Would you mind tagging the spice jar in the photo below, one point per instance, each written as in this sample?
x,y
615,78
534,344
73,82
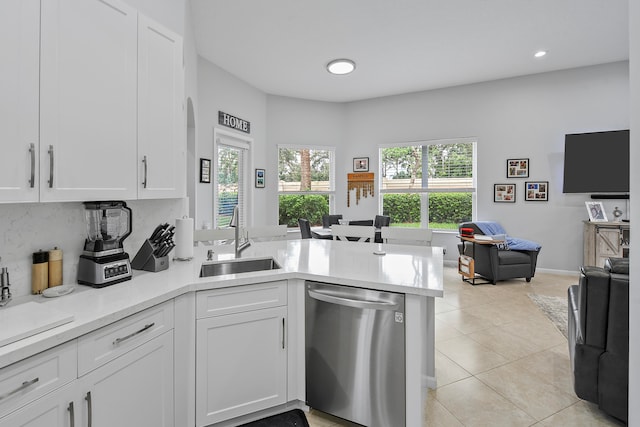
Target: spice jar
x,y
40,272
55,267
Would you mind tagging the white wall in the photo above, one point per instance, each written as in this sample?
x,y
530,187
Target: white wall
x,y
221,91
634,290
512,118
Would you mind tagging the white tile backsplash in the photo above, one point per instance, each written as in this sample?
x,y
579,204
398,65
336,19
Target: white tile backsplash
x,y
26,228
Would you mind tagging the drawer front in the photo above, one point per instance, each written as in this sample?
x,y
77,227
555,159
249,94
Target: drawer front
x,y
25,381
107,343
241,298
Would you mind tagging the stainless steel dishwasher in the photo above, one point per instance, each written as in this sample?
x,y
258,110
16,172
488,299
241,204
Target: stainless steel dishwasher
x,y
355,354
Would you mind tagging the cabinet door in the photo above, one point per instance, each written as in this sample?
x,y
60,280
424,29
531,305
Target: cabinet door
x,y
88,100
135,389
240,364
19,62
53,410
161,133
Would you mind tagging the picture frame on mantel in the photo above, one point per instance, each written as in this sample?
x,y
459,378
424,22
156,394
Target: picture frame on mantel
x,y
517,168
205,171
504,193
536,191
596,212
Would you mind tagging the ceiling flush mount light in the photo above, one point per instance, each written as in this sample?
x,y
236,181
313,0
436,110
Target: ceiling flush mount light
x,y
341,66
540,53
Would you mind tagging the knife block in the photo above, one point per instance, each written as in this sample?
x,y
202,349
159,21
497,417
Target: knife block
x,y
147,261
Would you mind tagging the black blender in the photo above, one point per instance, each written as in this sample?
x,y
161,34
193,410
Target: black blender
x,y
104,261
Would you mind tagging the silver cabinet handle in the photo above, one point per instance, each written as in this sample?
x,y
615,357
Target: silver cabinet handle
x,y
72,415
350,302
20,388
51,166
32,151
283,333
146,165
133,334
89,415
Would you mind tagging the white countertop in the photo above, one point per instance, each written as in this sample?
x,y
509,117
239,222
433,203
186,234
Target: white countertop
x,y
404,269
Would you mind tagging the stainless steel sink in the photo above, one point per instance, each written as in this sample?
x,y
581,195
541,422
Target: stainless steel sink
x,y
236,266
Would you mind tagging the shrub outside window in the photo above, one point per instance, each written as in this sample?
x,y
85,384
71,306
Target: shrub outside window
x,y
305,183
428,184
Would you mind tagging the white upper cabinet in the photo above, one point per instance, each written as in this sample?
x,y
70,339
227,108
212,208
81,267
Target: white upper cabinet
x,y
161,131
88,100
19,41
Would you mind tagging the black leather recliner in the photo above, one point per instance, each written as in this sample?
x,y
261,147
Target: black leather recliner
x,y
598,332
494,264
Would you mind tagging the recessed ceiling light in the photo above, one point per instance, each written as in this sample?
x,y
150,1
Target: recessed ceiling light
x,y
341,66
540,53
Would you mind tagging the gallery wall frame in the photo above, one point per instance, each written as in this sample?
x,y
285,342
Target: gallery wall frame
x,y
517,168
205,171
260,177
504,193
361,164
536,191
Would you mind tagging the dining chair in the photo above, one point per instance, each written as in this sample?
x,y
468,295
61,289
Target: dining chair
x,y
267,232
357,233
329,220
381,221
407,236
305,228
222,236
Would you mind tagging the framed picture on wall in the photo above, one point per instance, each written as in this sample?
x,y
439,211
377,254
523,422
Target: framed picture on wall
x,y
205,171
536,191
361,164
259,178
504,193
517,168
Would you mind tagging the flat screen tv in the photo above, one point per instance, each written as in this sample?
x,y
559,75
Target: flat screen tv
x,y
596,162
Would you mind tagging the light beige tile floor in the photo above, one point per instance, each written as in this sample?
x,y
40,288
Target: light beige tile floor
x,y
499,360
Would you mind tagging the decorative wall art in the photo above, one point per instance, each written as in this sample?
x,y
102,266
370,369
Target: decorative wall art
x,y
596,212
504,193
536,191
205,171
259,178
361,164
362,183
517,168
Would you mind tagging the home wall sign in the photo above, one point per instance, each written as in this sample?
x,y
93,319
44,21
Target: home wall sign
x,y
362,183
233,122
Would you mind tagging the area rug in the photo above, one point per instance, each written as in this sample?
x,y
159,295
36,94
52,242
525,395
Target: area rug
x,y
555,308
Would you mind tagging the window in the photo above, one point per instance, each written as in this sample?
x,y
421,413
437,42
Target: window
x,y
428,184
305,183
230,180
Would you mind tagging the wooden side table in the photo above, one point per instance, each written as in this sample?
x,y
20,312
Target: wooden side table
x,y
466,264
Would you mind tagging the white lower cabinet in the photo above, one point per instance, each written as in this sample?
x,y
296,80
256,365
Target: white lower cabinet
x,y
241,358
134,390
58,409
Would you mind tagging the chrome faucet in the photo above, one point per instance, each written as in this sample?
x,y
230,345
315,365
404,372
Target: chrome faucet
x,y
235,223
5,290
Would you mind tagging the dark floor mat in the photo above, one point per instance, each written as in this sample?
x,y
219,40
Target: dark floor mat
x,y
293,418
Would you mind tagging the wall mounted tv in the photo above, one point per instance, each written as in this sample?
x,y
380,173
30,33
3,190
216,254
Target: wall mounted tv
x,y
596,162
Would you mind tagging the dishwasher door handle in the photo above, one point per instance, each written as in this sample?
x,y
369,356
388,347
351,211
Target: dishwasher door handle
x,y
350,302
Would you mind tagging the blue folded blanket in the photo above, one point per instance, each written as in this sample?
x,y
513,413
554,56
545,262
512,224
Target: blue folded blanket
x,y
514,243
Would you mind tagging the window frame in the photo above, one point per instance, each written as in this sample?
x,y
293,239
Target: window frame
x,y
424,191
332,172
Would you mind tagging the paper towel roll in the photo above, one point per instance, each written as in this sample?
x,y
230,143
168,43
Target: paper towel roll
x,y
184,238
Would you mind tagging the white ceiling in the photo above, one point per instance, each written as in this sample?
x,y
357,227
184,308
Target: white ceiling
x,y
282,46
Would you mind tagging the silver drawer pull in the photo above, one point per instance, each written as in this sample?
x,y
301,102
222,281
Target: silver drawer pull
x,y
133,334
19,389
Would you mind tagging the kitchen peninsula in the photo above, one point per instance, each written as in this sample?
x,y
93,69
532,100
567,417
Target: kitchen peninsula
x,y
168,324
